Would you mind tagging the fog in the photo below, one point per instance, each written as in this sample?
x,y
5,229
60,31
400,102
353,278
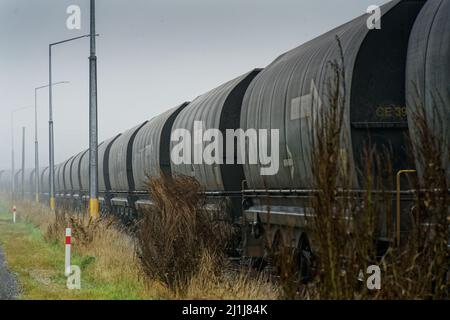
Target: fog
x,y
152,55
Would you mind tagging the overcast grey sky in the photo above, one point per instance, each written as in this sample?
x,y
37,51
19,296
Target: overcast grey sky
x,y
153,55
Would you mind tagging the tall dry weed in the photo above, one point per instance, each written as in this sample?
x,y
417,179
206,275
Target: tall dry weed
x,y
177,230
345,222
418,269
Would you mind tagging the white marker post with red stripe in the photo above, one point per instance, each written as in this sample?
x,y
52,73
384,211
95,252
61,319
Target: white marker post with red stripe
x,y
73,273
68,245
14,214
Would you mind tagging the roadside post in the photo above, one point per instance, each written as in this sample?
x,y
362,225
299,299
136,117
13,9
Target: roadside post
x,y
68,245
14,214
73,273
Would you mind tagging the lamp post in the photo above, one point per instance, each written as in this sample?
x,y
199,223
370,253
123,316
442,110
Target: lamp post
x,y
23,164
36,143
50,120
12,151
93,121
12,158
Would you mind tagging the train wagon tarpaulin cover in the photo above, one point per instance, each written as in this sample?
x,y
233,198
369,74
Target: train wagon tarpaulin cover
x,y
104,183
75,172
152,147
120,160
291,91
428,71
217,109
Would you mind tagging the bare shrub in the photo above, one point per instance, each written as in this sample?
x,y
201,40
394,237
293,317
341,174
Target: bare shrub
x,y
418,269
345,223
57,228
177,230
84,229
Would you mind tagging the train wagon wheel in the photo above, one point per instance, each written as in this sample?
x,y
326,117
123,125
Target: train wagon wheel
x,y
305,260
276,252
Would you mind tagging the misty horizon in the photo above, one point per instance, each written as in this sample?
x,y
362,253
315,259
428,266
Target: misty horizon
x,y
152,56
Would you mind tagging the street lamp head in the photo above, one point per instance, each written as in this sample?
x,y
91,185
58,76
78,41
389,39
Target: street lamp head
x,y
53,84
71,39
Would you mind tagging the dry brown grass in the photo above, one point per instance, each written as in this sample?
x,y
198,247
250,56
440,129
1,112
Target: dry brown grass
x,y
229,284
176,230
181,243
110,253
103,240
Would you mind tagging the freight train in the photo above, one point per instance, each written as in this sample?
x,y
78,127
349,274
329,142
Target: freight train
x,y
384,70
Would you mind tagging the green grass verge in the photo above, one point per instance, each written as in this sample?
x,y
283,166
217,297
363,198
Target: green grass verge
x,y
39,266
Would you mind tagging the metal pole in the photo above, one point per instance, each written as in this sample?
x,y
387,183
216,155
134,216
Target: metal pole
x,y
50,121
51,138
93,133
36,172
36,148
12,159
13,180
23,163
